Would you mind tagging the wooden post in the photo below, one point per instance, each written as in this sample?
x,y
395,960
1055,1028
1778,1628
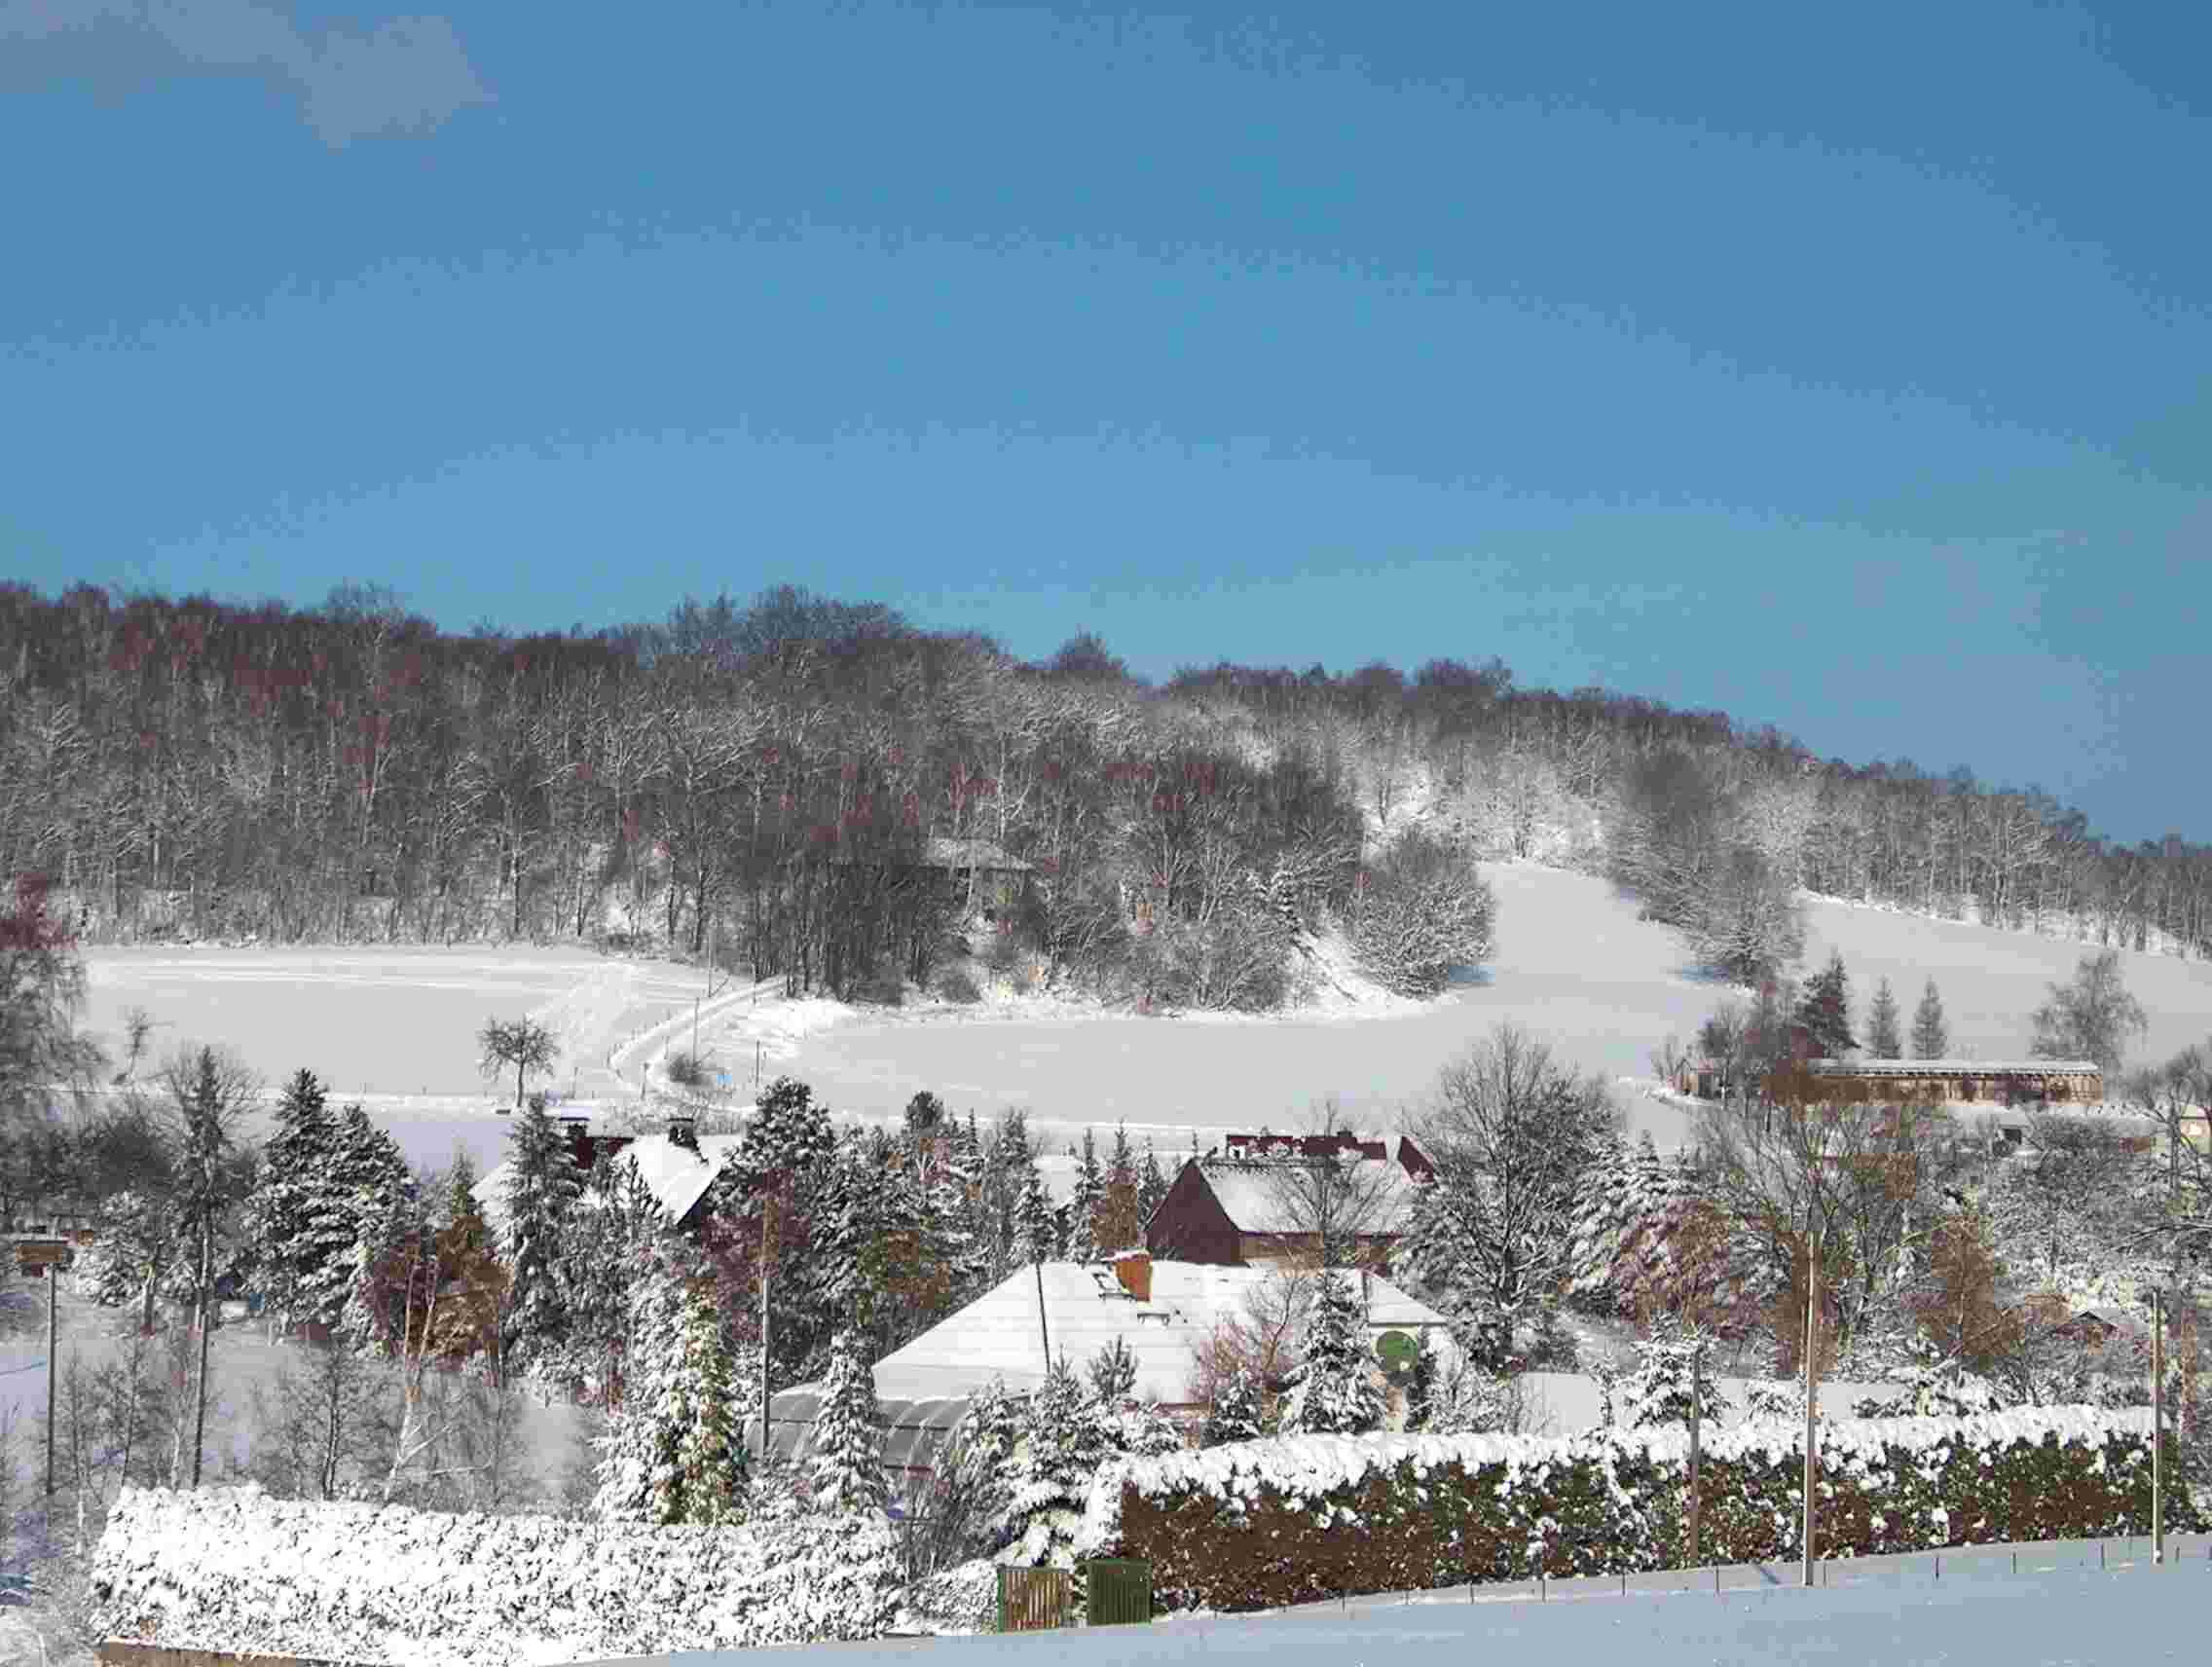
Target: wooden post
x,y
767,1212
1697,1396
2157,1429
53,1329
1812,1389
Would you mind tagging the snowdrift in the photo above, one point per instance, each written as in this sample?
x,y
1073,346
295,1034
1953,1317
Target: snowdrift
x,y
233,1568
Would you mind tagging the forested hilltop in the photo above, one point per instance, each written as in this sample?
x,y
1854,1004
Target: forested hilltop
x,y
768,781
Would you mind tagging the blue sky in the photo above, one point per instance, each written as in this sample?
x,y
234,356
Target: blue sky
x,y
1847,369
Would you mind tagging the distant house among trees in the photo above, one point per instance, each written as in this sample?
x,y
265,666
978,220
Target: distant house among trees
x,y
1290,1198
1926,1082
972,869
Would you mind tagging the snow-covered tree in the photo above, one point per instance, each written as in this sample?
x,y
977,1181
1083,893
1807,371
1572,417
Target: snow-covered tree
x,y
1063,1443
1035,1236
1658,1389
1824,1009
1086,1202
1468,1399
351,1215
541,1189
845,1465
1932,1386
1332,1388
601,1245
1233,1413
1152,1186
282,1216
1930,1035
671,1450
2090,1018
1885,1026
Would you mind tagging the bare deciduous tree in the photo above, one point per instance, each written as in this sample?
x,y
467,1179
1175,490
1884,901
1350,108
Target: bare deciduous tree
x,y
522,1046
1513,1135
2090,1018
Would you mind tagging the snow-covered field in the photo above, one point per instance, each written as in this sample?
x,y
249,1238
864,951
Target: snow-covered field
x,y
2075,1618
1576,966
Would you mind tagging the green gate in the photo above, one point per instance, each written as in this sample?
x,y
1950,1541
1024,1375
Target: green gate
x,y
1034,1600
1117,1590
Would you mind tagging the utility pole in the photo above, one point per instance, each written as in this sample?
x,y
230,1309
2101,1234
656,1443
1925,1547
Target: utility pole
x,y
1811,1388
1042,1331
2157,1429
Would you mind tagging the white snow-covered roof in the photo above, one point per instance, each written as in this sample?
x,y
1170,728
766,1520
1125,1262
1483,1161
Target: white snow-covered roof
x,y
998,1335
1255,1197
676,1176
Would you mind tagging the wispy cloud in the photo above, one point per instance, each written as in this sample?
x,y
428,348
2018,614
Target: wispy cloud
x,y
404,74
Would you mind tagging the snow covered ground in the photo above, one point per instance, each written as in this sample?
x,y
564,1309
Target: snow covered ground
x,y
397,1027
241,1357
2075,1616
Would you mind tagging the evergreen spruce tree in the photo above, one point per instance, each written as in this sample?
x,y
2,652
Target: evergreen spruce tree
x,y
542,1190
462,1208
1930,1036
706,1413
1658,1390
282,1212
1233,1413
637,1471
352,1219
1113,1372
1121,1221
1824,1009
788,1134
1064,1446
845,1465
1034,1229
602,1247
975,1482
1885,1035
1087,1202
1152,1187
1333,1389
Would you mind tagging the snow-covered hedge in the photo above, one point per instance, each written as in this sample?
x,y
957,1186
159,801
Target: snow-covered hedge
x,y
234,1569
1256,1524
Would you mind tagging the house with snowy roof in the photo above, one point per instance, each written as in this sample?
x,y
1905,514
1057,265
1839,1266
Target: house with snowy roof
x,y
1261,1203
1164,1313
677,1165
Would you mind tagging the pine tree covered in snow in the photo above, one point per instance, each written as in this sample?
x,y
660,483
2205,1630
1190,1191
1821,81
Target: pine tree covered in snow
x,y
1233,1413
1332,1388
282,1215
603,1243
1035,1232
542,1190
788,1134
673,1451
1152,1186
362,1209
1824,1009
1064,1444
1931,1035
707,1410
1658,1390
1120,1225
1885,1025
974,1479
1468,1399
1086,1202
845,1463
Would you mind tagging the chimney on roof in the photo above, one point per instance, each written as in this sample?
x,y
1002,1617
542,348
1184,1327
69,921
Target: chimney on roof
x,y
1133,1268
684,1132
